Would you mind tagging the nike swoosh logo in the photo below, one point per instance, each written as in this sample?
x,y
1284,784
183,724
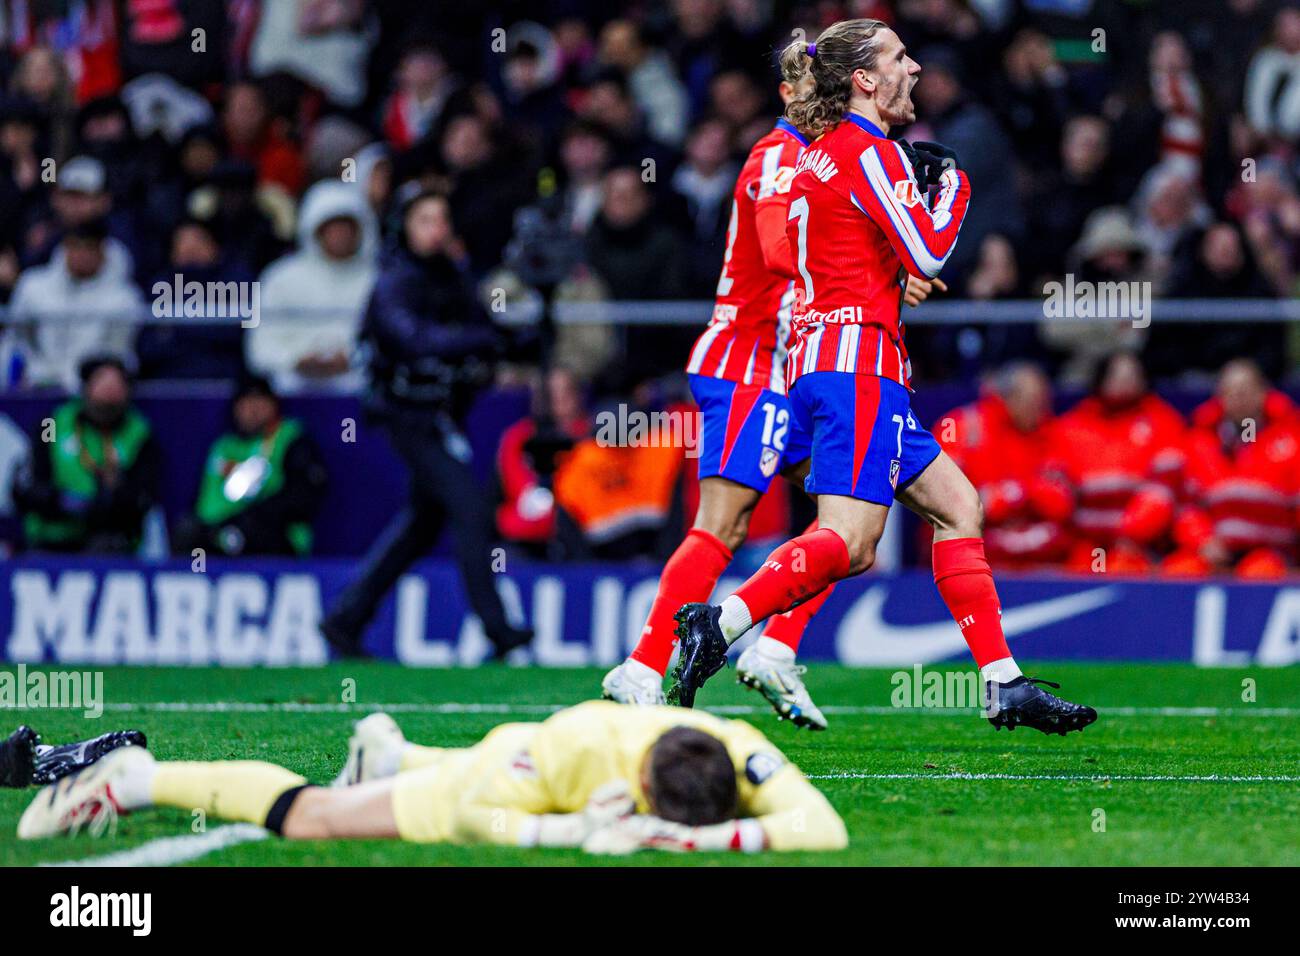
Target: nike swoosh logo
x,y
866,639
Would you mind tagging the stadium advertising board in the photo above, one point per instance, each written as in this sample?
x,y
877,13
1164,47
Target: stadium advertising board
x,y
265,614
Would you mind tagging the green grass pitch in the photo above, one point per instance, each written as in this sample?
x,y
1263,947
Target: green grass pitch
x,y
915,787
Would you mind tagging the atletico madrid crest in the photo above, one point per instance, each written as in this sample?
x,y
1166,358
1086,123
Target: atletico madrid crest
x,y
768,462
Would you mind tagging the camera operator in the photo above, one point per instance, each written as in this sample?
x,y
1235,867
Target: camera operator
x,y
432,347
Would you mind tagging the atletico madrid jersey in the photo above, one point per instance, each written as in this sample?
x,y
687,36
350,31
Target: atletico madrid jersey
x,y
747,339
859,224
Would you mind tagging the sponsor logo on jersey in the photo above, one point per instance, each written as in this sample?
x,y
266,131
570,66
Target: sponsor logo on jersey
x,y
907,193
768,462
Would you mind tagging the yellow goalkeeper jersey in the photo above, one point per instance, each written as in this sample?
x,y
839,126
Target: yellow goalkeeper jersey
x,y
489,792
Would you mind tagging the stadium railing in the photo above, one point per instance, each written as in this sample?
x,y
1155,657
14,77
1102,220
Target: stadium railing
x,y
698,311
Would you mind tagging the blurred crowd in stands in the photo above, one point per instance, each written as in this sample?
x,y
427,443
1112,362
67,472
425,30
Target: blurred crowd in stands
x,y
228,141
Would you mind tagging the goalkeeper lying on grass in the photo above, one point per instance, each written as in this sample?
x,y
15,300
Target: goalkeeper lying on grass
x,y
605,777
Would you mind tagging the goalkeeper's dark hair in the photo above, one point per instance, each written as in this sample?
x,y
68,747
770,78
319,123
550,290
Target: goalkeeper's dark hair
x,y
840,49
691,778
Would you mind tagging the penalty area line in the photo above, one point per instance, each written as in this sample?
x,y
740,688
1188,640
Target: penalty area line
x,y
1080,777
169,851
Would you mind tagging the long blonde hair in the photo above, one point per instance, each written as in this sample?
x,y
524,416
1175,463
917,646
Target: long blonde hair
x,y
832,59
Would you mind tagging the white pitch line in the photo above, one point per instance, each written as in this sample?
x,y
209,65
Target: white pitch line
x,y
169,851
1091,778
290,707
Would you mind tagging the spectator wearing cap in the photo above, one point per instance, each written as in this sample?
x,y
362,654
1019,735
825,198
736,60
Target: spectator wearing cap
x,y
262,485
187,350
312,299
81,303
95,469
1110,250
81,195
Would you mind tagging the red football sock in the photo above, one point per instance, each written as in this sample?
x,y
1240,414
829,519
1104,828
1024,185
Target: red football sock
x,y
788,628
961,572
689,575
795,572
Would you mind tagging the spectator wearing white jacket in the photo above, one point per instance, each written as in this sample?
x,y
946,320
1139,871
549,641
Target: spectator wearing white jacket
x,y
81,303
312,299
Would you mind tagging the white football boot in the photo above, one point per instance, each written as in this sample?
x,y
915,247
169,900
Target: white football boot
x,y
634,683
87,799
374,751
781,682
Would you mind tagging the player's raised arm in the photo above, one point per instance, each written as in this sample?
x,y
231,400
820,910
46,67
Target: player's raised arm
x,y
922,234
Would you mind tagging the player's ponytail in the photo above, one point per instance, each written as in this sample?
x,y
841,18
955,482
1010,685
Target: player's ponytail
x,y
841,49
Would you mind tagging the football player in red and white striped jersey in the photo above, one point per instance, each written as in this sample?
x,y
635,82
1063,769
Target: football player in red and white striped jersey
x,y
859,223
737,371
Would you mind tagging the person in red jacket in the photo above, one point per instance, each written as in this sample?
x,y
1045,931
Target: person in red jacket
x,y
1242,480
1005,443
1122,449
526,514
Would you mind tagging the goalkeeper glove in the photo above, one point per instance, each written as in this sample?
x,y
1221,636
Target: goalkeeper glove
x,y
643,832
607,804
